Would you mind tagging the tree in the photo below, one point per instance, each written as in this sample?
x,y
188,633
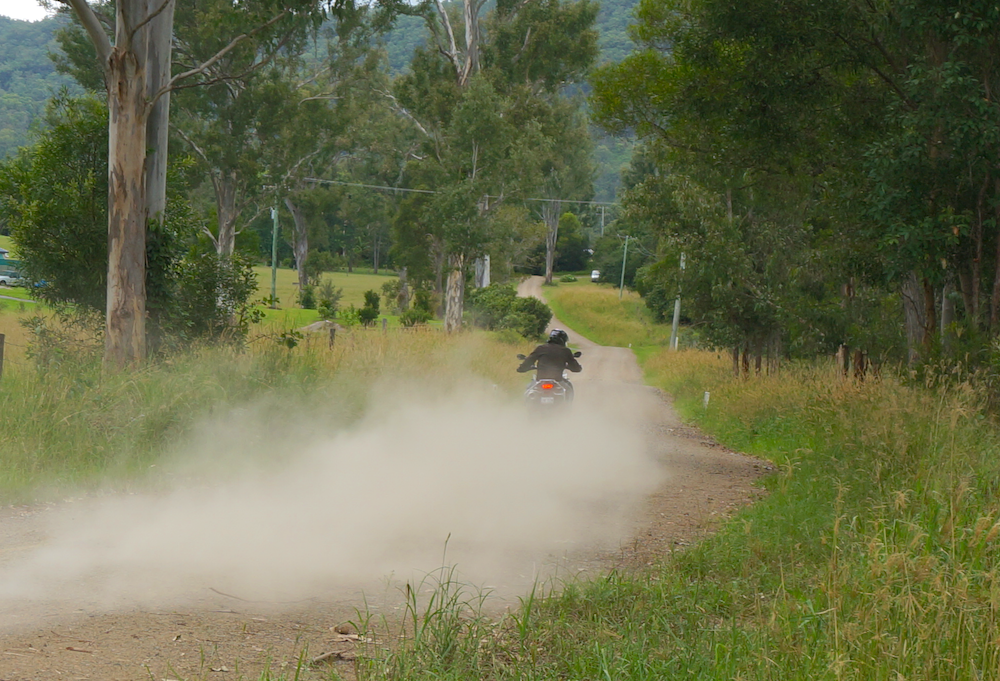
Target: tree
x,y
486,103
137,74
877,118
54,196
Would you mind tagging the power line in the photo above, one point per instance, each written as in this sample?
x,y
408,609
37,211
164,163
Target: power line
x,y
431,191
370,186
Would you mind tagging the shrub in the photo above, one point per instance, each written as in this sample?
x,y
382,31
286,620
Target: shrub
x,y
567,278
498,307
329,299
307,297
392,292
414,316
372,300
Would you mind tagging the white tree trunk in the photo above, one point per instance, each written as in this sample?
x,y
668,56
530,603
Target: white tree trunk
x,y
454,294
125,321
300,242
483,271
550,214
158,52
225,205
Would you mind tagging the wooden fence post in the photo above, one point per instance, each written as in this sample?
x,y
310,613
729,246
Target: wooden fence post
x,y
333,335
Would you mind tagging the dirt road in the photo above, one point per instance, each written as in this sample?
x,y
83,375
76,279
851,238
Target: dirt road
x,y
206,630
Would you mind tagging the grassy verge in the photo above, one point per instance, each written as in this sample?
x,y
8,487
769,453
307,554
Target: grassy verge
x,y
875,555
70,425
596,311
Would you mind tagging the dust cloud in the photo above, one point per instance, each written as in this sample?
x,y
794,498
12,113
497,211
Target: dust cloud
x,y
299,509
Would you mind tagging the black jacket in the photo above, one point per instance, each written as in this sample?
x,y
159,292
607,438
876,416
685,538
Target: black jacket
x,y
550,359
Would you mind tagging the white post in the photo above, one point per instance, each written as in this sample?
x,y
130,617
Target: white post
x,y
677,313
621,287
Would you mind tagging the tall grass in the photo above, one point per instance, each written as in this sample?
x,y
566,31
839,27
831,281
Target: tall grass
x,y
72,424
597,313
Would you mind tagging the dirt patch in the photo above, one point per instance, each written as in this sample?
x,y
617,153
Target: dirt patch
x,y
212,632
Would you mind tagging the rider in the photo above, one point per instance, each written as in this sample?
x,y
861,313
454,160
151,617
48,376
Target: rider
x,y
551,358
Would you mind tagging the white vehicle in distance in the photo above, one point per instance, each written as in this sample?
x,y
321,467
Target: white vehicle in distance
x,y
595,275
10,279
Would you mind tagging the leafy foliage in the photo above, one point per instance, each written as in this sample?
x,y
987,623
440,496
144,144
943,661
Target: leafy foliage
x,y
497,307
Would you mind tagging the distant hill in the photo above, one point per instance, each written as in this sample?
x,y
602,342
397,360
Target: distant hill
x,y
27,76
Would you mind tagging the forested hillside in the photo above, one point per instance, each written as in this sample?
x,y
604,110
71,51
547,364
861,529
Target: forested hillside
x,y
27,77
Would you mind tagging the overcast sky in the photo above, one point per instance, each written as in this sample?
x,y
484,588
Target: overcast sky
x,y
29,10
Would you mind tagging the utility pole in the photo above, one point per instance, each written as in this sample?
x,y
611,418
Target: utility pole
x,y
274,259
621,287
602,220
677,313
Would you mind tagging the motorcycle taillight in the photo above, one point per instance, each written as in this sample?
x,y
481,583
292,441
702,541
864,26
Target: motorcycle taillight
x,y
548,386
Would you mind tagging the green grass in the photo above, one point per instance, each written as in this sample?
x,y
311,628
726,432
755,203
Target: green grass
x,y
354,285
596,311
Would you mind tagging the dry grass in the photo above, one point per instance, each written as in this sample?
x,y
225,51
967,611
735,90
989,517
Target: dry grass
x,y
72,424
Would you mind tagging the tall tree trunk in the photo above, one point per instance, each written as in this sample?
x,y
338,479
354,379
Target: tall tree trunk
x,y
550,214
225,203
376,246
914,315
404,290
125,330
158,53
995,298
930,315
437,256
300,242
947,314
455,294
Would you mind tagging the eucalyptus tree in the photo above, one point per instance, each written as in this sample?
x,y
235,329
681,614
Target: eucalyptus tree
x,y
136,68
485,96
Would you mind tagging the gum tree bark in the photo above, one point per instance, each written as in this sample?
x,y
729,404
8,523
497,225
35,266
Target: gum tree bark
x,y
136,72
454,294
300,242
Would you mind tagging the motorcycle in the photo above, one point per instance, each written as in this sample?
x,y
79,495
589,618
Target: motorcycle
x,y
547,393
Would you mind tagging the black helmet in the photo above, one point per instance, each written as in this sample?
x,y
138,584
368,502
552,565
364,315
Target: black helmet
x,y
558,336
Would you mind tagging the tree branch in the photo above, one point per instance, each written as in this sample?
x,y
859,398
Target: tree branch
x,y
218,55
403,111
92,25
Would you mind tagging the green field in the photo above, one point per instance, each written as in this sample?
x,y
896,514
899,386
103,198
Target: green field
x,y
596,311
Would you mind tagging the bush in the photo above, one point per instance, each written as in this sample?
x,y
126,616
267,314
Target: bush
x,y
318,262
369,313
567,278
372,300
424,300
497,307
307,297
392,292
415,316
329,299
